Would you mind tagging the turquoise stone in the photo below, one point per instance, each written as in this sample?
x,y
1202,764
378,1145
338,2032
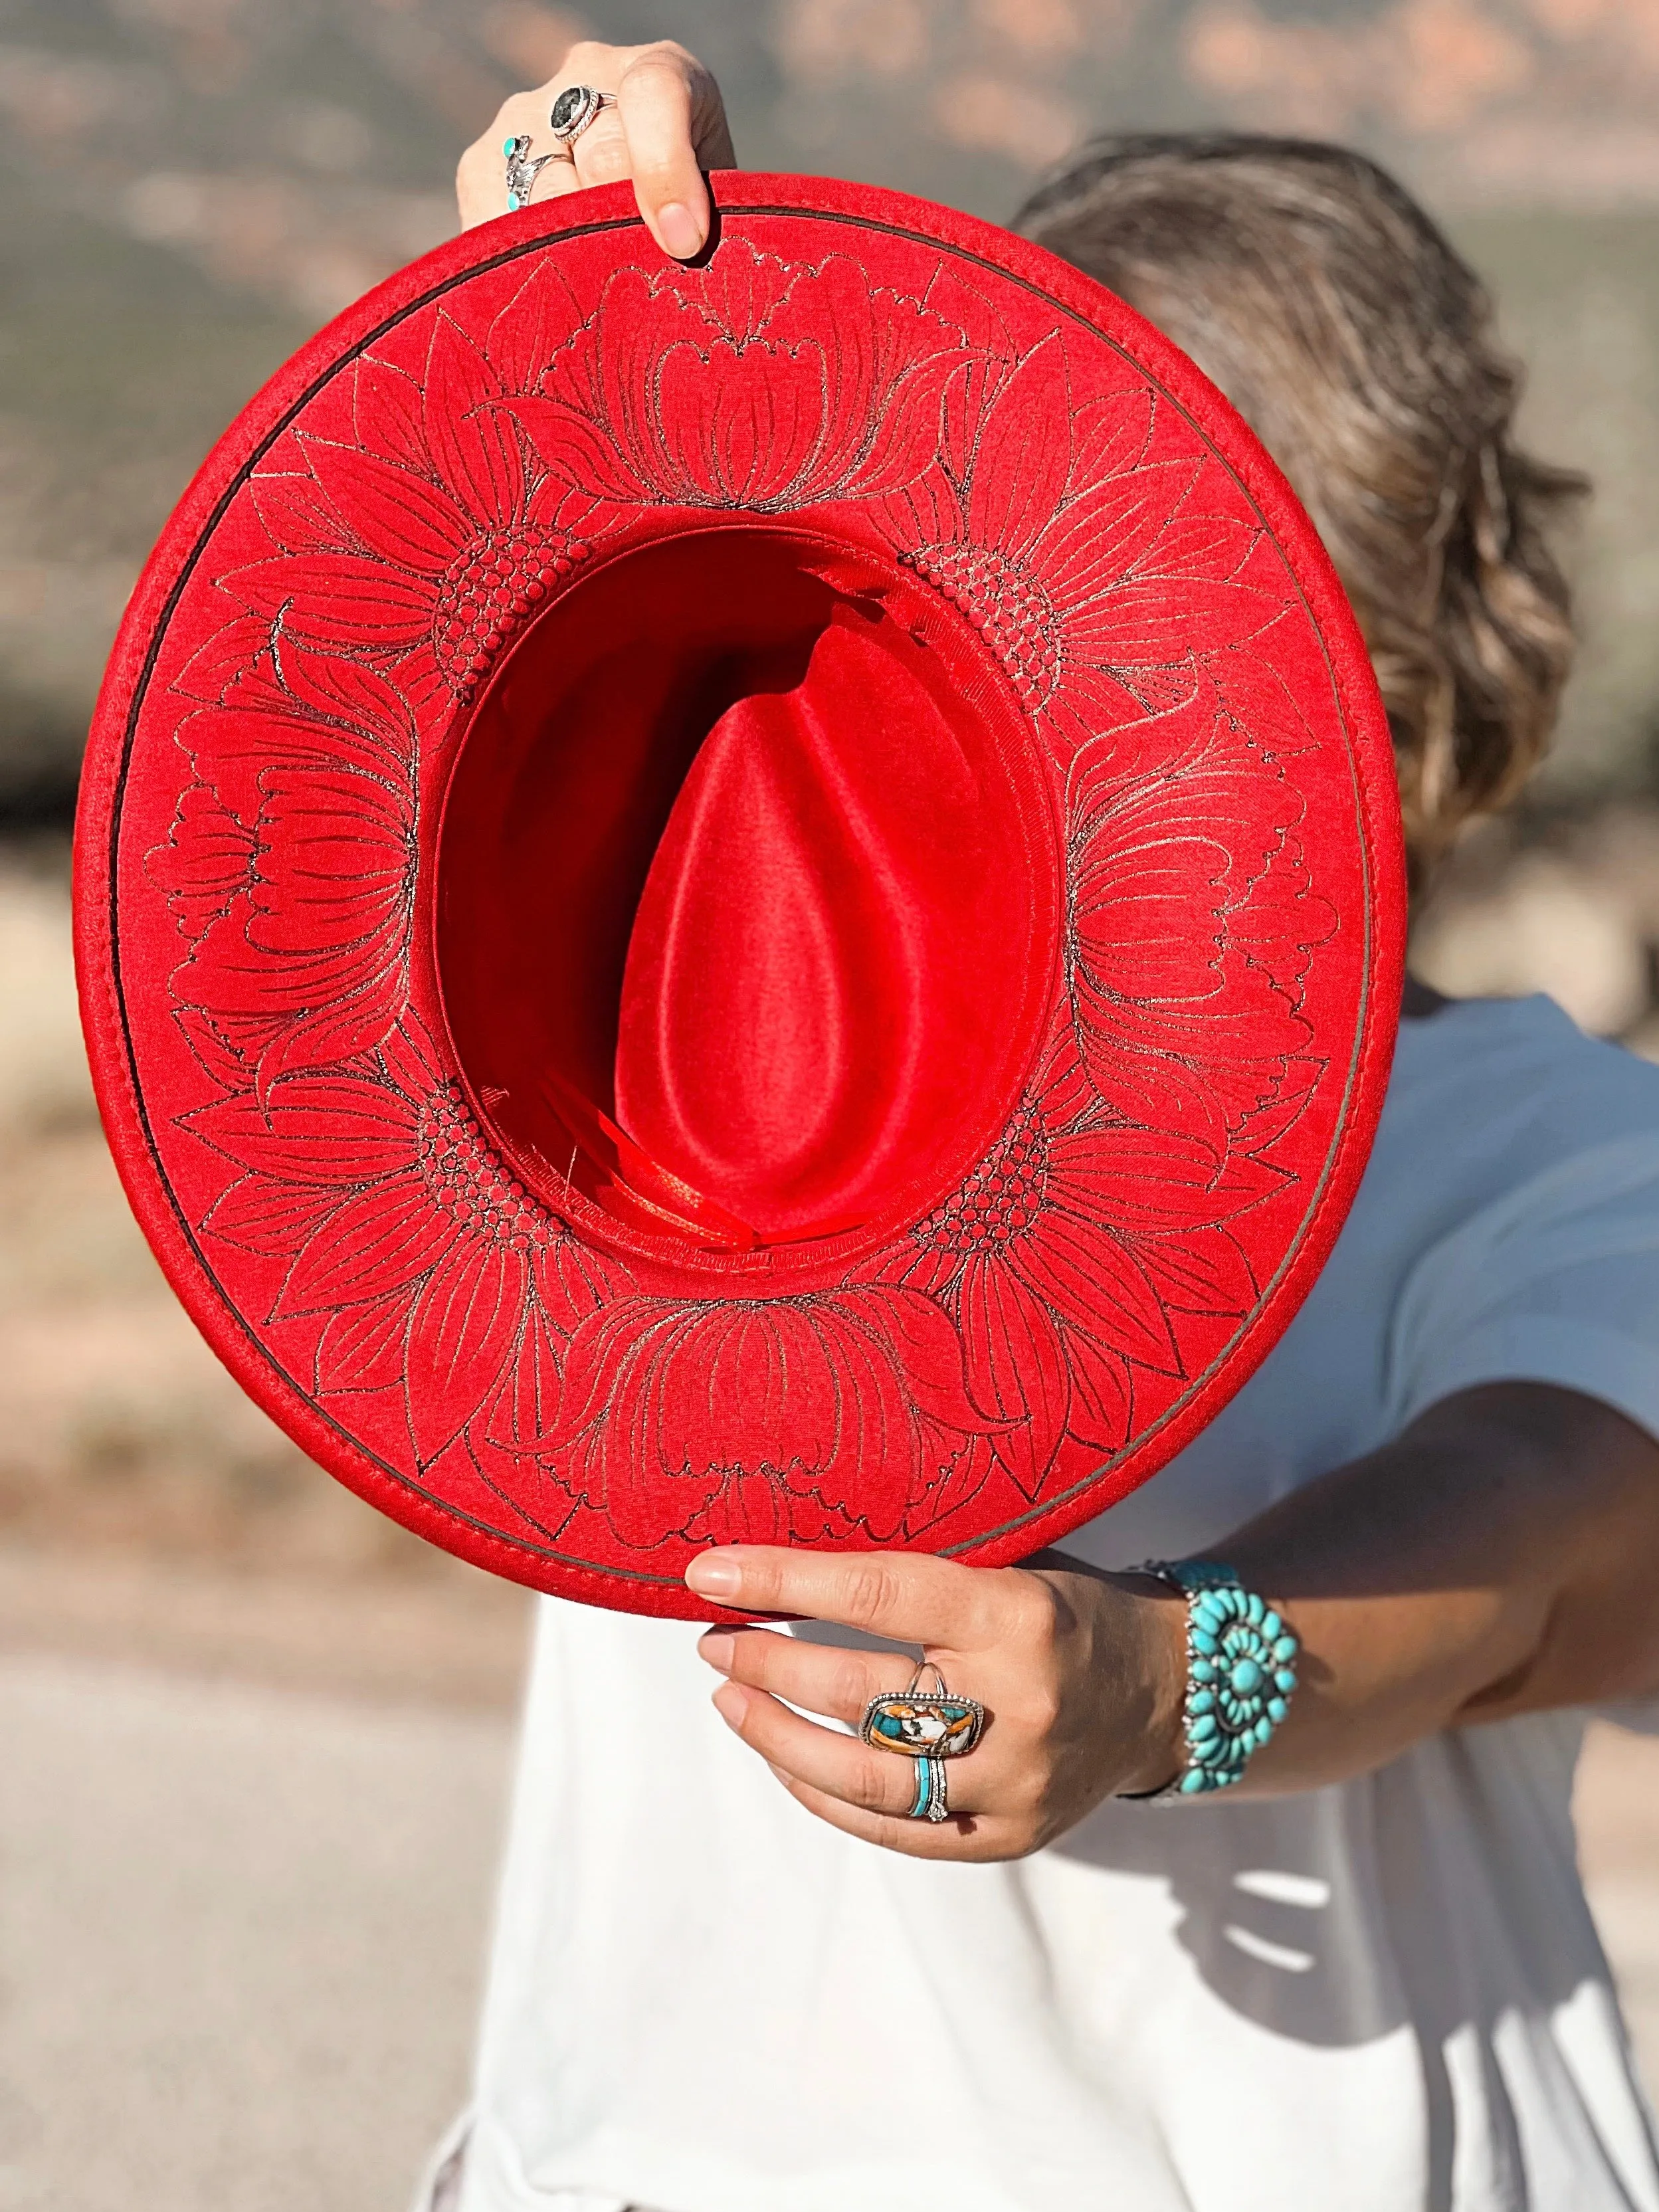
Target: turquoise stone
x,y
922,1723
1239,1674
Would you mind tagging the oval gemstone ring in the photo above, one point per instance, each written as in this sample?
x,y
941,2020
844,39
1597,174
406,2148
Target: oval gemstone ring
x,y
923,1723
576,108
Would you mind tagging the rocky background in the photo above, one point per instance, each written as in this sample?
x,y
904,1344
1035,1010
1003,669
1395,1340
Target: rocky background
x,y
239,1937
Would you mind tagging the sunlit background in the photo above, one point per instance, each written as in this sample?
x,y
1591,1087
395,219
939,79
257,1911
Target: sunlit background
x,y
188,188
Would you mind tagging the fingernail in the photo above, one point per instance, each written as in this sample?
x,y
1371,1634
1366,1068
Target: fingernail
x,y
719,1649
679,230
731,1703
713,1574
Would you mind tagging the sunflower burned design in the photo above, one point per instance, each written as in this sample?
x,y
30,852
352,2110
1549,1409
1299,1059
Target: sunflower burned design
x,y
1067,1260
1087,536
832,1415
290,863
1192,920
420,545
434,1271
754,383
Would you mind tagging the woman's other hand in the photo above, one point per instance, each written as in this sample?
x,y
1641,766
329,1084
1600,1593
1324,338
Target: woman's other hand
x,y
1081,1675
1498,1558
667,127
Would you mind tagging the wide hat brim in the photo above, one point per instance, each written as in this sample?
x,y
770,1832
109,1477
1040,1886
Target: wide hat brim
x,y
1145,1057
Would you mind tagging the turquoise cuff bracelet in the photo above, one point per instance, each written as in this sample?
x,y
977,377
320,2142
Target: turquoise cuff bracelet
x,y
1241,1673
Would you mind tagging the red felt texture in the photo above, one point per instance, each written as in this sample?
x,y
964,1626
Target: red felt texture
x,y
806,995
759,901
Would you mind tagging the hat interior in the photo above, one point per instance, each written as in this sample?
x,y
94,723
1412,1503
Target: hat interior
x,y
745,892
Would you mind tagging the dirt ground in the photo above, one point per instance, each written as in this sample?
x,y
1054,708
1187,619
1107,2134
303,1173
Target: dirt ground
x,y
255,1740
242,1927
248,1834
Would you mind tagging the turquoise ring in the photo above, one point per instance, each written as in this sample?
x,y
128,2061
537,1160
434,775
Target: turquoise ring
x,y
522,172
932,1801
924,1724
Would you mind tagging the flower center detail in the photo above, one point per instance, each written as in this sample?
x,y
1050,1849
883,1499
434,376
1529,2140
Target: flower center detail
x,y
1003,1196
467,1180
486,590
1005,604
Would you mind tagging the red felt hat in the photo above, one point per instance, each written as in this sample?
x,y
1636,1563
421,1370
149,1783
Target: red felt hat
x,y
759,901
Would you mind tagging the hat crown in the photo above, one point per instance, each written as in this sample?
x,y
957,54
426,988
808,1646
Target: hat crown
x,y
728,855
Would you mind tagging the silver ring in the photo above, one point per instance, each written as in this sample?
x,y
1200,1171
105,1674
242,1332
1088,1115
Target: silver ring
x,y
932,1800
522,172
929,1725
576,108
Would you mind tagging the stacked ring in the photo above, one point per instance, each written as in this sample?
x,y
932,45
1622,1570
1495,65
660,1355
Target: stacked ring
x,y
929,1726
576,108
932,1803
522,172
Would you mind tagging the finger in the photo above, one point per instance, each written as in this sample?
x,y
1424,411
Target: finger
x,y
840,1765
964,1835
480,187
600,154
558,177
655,102
905,1596
820,1676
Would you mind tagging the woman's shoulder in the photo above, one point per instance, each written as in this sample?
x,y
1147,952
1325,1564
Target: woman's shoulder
x,y
1521,1065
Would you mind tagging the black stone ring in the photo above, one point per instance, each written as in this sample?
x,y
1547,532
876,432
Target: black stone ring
x,y
577,107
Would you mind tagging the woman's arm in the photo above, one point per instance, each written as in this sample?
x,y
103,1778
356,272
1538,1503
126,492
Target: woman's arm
x,y
1501,1557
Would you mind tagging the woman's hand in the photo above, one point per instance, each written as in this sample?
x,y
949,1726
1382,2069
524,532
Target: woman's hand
x,y
667,127
1498,1558
1081,1675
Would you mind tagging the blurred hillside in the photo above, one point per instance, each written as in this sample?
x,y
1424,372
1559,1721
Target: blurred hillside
x,y
187,187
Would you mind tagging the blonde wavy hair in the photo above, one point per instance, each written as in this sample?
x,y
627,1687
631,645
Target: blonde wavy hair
x,y
1358,345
